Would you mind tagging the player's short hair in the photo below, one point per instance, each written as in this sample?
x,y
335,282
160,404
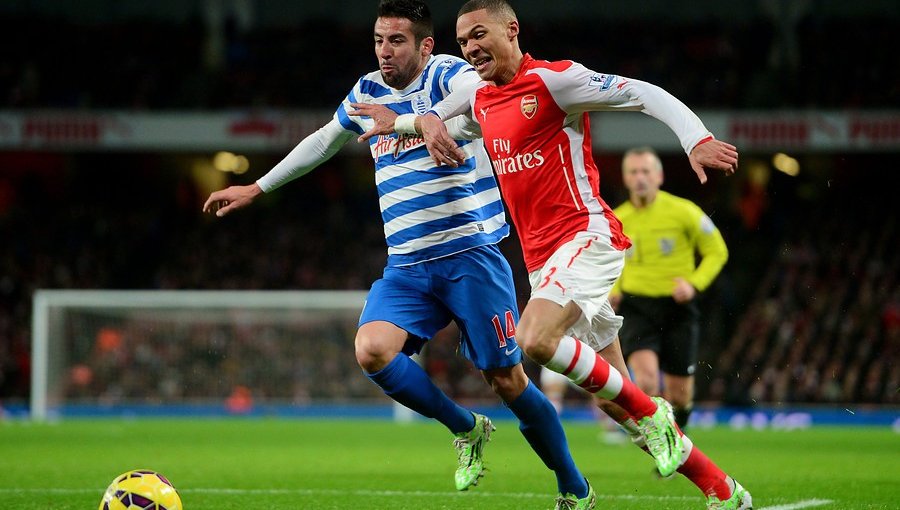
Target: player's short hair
x,y
497,8
639,151
416,11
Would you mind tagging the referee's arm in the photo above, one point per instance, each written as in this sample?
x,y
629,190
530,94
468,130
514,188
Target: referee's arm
x,y
713,253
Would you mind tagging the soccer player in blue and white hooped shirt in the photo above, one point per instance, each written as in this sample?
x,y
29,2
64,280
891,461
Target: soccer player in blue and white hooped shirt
x,y
442,226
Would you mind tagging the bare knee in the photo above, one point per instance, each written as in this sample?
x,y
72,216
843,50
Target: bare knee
x,y
538,338
537,343
376,347
542,325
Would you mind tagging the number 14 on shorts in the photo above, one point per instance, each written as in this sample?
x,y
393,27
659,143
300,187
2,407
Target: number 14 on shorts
x,y
510,327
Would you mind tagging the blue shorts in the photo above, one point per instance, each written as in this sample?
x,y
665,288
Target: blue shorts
x,y
474,288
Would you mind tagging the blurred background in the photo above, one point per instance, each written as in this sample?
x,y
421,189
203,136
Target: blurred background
x,y
118,118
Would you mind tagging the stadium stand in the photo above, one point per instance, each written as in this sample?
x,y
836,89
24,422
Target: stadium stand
x,y
807,311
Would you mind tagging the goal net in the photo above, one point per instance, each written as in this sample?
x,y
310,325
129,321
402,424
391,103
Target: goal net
x,y
230,350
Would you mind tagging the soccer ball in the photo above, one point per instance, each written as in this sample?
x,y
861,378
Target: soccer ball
x,y
140,489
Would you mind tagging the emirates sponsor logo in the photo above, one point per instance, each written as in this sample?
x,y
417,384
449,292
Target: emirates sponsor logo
x,y
513,162
518,163
529,106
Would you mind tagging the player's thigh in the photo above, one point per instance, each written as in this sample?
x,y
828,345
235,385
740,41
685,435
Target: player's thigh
x,y
581,272
476,287
678,350
403,298
544,320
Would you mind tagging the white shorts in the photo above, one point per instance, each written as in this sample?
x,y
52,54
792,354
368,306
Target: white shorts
x,y
583,271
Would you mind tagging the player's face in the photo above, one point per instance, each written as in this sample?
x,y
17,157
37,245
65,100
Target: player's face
x,y
642,175
399,58
487,43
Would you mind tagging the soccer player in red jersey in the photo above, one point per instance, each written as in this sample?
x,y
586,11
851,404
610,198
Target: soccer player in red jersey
x,y
534,120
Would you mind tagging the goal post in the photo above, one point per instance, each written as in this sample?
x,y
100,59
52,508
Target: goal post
x,y
171,346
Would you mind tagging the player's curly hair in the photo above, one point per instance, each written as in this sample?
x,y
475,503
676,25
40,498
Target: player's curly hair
x,y
415,11
498,8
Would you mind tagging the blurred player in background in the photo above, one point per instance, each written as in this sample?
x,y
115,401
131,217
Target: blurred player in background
x,y
441,225
657,291
534,119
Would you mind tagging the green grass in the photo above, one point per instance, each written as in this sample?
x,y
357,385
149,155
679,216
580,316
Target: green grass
x,y
313,464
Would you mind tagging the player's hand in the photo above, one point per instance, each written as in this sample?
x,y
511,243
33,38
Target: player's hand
x,y
383,116
714,154
440,145
224,201
684,292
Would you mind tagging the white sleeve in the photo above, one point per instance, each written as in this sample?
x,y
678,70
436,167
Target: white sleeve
x,y
308,154
461,97
577,89
463,127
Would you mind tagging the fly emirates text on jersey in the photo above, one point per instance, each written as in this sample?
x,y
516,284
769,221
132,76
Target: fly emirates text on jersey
x,y
505,163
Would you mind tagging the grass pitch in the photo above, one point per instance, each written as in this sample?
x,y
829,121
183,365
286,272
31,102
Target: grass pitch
x,y
368,464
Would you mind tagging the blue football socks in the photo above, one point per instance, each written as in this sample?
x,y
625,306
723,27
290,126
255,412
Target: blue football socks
x,y
406,382
540,425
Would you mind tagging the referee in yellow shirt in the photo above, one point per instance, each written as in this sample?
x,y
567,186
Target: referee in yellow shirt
x,y
661,279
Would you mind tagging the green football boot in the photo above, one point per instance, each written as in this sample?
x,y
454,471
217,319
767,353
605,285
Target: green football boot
x,y
572,502
740,500
469,448
663,440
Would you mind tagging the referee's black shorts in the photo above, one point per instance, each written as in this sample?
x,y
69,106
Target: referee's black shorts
x,y
661,325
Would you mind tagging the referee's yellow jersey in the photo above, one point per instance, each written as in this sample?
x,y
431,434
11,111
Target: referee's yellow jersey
x,y
665,237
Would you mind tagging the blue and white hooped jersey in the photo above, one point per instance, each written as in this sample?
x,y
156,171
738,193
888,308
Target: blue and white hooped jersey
x,y
429,212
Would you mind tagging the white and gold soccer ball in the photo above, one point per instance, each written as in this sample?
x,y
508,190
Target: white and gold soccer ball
x,y
141,489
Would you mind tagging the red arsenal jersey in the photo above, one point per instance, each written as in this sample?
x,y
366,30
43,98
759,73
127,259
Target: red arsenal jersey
x,y
537,132
542,157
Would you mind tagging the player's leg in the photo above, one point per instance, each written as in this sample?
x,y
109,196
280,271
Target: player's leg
x,y
383,348
641,339
678,358
554,386
539,424
644,365
569,293
612,353
715,484
694,464
680,392
478,290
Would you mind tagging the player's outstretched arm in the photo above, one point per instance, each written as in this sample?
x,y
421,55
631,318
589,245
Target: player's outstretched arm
x,y
713,154
224,201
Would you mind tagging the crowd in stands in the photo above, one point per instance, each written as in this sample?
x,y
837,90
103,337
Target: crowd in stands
x,y
807,310
799,315
824,323
51,62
